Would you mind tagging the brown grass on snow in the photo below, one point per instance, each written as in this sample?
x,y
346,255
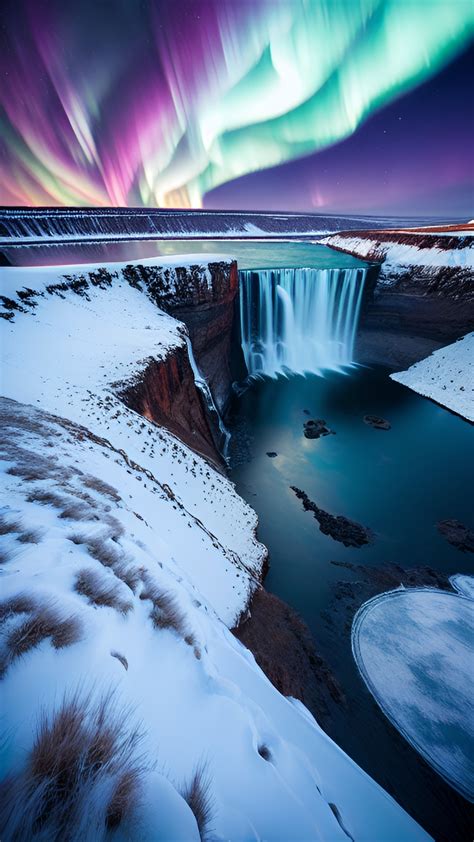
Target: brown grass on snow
x,y
196,792
101,592
43,621
165,613
82,776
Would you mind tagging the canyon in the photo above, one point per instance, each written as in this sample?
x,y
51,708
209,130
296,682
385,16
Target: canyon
x,y
122,392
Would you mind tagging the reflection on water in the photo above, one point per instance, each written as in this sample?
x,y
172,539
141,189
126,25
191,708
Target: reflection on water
x,y
398,482
249,254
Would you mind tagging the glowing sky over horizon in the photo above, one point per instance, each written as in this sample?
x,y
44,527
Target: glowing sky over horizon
x,y
161,103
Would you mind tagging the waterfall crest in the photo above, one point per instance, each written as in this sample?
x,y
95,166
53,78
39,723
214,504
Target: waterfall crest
x,y
299,320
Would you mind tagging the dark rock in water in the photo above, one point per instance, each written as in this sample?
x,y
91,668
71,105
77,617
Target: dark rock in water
x,y
306,412
377,422
271,454
316,428
457,534
338,527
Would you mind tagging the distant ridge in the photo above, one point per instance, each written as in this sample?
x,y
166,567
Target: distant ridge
x,y
35,226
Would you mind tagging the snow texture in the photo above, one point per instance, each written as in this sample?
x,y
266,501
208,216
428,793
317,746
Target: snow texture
x,y
414,650
446,376
464,584
398,258
92,486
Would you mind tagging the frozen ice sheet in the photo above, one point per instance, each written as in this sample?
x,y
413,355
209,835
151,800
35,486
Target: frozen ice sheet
x,y
414,649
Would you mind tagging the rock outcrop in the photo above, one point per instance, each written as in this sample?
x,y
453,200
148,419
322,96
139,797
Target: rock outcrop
x,y
338,527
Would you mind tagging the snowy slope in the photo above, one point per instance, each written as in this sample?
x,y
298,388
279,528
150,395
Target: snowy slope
x,y
446,376
133,557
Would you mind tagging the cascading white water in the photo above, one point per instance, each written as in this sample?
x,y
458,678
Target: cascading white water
x,y
203,387
299,320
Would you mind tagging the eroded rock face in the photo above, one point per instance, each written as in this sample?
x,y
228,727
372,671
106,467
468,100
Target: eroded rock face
x,y
338,527
166,393
209,317
284,649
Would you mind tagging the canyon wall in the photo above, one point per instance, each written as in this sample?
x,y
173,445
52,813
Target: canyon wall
x,y
165,392
202,295
419,294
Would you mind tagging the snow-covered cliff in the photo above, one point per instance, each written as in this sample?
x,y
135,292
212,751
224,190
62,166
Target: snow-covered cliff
x,y
440,256
128,705
446,376
422,296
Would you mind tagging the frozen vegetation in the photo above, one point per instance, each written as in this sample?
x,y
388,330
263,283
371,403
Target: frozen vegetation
x,y
128,705
446,376
414,651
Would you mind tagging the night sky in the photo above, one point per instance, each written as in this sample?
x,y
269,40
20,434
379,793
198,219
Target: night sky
x,y
353,106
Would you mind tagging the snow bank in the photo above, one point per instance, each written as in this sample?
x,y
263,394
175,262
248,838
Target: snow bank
x,y
91,486
463,584
401,256
414,651
446,376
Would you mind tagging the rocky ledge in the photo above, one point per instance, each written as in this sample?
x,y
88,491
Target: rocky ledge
x,y
422,294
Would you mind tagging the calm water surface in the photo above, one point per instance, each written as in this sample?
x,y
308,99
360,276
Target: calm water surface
x,y
249,254
399,483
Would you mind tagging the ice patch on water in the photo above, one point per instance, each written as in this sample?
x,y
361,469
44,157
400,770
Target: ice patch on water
x,y
414,651
463,584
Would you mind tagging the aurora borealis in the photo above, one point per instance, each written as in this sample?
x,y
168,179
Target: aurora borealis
x,y
159,103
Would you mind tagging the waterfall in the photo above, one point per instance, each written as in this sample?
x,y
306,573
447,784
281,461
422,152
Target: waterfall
x,y
299,320
202,385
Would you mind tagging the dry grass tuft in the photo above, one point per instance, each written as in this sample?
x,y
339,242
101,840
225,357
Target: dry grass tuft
x,y
102,488
30,536
18,604
8,526
43,621
120,658
100,592
109,553
129,574
71,509
104,551
31,466
47,498
75,510
81,779
165,613
197,795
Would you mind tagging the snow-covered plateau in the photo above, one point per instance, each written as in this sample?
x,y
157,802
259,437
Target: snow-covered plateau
x,y
446,376
129,707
